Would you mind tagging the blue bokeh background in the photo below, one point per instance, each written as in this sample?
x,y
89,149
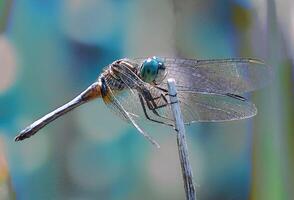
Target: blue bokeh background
x,y
50,51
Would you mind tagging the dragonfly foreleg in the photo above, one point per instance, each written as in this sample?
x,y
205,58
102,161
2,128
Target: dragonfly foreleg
x,y
155,103
161,96
147,116
152,105
165,94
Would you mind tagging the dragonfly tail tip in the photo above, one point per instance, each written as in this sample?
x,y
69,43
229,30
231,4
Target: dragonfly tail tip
x,y
23,135
156,144
17,138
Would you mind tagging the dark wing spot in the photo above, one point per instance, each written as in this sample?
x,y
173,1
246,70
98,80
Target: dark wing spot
x,y
235,96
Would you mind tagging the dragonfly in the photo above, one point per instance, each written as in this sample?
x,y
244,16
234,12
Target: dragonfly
x,y
137,90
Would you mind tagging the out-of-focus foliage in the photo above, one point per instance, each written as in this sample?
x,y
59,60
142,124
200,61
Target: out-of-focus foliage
x,y
52,50
5,184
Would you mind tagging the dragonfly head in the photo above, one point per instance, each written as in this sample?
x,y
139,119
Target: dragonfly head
x,y
153,70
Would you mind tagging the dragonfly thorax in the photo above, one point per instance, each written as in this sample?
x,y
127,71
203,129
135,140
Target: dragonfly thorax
x,y
118,66
114,76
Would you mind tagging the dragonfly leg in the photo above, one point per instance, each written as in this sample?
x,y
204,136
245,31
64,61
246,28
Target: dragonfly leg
x,y
162,89
163,96
152,105
145,112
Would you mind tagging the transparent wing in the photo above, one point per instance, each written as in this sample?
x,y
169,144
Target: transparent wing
x,y
133,98
222,76
116,101
201,107
195,106
207,107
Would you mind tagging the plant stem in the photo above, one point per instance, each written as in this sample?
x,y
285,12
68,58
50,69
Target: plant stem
x,y
181,141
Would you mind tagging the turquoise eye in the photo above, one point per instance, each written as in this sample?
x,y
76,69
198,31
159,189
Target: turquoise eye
x,y
149,69
153,70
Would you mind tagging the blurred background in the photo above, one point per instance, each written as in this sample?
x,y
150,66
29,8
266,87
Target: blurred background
x,y
52,50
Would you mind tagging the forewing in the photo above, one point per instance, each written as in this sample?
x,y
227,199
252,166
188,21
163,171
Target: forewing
x,y
196,106
222,76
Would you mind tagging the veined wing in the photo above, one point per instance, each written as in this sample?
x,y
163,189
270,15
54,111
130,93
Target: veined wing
x,y
115,100
221,76
207,107
195,106
139,97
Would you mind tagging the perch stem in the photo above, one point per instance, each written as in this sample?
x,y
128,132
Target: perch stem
x,y
181,141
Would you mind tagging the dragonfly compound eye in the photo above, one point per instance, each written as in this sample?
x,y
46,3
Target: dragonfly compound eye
x,y
151,69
